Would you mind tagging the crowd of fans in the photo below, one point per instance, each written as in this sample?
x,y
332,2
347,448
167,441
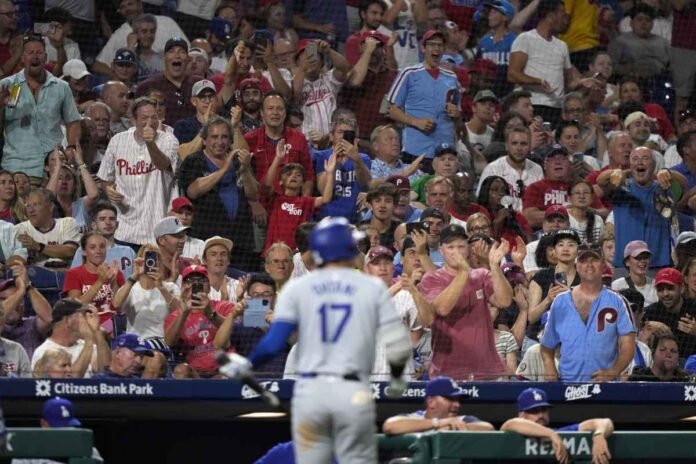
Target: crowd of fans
x,y
523,175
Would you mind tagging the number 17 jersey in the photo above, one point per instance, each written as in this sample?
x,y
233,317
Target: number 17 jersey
x,y
338,312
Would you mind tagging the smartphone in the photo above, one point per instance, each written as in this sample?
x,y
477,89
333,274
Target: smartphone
x,y
546,126
197,287
561,278
255,312
42,28
312,51
262,37
411,226
150,261
349,136
451,96
578,157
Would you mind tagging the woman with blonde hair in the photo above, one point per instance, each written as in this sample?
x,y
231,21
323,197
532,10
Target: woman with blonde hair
x,y
12,207
54,364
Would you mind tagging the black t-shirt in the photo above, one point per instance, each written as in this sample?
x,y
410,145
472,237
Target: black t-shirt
x,y
387,238
545,279
644,374
657,312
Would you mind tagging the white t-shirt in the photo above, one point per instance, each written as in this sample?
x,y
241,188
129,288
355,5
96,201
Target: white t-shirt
x,y
546,60
480,141
319,103
72,50
531,173
166,29
581,228
406,308
300,268
147,190
146,309
530,264
406,47
648,290
672,157
74,352
81,9
204,9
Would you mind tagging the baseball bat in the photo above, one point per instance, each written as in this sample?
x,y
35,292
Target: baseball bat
x,y
249,380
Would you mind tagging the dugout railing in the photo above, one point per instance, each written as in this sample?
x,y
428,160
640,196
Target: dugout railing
x,y
70,445
460,447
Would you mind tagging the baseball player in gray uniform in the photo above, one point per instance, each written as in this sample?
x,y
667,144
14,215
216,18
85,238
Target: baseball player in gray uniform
x,y
338,314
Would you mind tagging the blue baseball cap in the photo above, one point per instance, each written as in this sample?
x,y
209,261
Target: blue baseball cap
x,y
221,28
133,343
125,55
58,412
444,386
502,6
532,398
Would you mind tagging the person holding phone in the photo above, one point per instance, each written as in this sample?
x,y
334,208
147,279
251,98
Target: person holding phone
x,y
194,325
146,298
550,282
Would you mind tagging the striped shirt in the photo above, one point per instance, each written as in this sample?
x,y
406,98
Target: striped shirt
x,y
147,190
319,102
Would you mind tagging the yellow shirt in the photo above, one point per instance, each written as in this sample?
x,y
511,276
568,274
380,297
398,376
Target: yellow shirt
x,y
583,32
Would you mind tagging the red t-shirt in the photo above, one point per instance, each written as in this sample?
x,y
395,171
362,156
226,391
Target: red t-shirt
x,y
352,51
263,149
545,192
79,278
287,213
472,209
592,179
198,334
463,342
664,126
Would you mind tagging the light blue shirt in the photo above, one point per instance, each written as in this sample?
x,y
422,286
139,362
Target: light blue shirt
x,y
587,346
379,170
9,243
33,129
124,256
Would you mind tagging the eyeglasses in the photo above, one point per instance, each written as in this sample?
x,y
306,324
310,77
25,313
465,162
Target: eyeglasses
x,y
179,97
263,295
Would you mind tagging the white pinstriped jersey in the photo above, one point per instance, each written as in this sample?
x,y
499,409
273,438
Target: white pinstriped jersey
x,y
319,102
338,313
64,230
147,190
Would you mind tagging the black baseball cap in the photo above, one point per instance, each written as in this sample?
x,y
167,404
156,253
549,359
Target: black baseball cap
x,y
433,212
452,232
445,148
125,55
66,307
565,233
175,42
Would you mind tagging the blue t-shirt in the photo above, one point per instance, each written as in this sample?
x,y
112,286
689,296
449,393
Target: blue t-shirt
x,y
421,95
346,186
187,129
587,346
683,170
636,218
499,53
124,256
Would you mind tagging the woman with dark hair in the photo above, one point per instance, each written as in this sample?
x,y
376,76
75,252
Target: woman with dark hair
x,y
569,135
583,219
544,254
494,195
12,207
665,365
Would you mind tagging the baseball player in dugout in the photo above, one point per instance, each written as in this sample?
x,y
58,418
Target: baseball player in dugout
x,y
338,314
442,403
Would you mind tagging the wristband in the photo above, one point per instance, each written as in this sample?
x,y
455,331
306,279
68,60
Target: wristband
x,y
41,247
132,280
436,423
597,433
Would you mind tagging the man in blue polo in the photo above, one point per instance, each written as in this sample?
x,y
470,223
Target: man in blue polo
x,y
442,402
425,98
533,420
593,326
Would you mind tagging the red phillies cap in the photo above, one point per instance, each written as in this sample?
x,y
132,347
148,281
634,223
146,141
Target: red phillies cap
x,y
430,34
556,210
181,202
302,45
669,276
401,182
378,252
194,269
383,39
249,83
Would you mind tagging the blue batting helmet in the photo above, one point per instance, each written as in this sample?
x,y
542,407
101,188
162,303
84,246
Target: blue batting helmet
x,y
333,240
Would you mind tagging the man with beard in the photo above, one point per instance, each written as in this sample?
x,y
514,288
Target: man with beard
x,y
442,403
370,12
540,62
403,211
636,216
251,95
188,131
639,127
352,171
674,310
32,120
533,419
115,95
175,85
98,120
